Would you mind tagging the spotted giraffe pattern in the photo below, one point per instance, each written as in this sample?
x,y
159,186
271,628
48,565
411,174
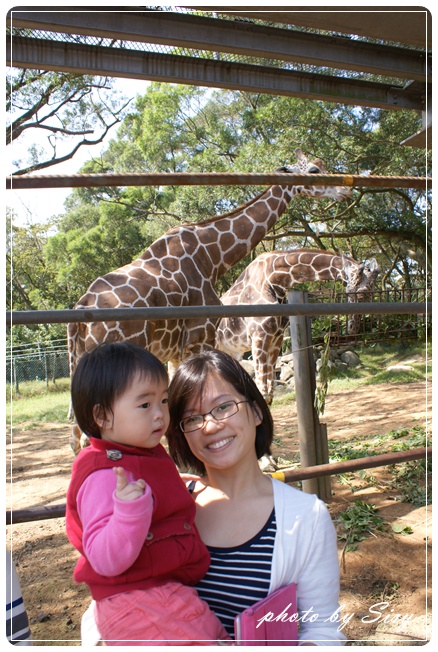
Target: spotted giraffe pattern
x,y
362,291
181,268
266,280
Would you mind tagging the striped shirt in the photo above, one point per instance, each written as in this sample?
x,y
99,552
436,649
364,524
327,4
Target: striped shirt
x,y
239,576
17,622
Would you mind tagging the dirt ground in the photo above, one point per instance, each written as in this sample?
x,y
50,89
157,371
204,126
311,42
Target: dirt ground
x,y
385,582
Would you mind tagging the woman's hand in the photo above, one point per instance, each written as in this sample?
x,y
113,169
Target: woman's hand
x,y
128,490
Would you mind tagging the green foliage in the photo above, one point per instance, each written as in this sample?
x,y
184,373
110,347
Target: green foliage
x,y
410,481
376,359
325,373
358,447
175,128
37,389
284,399
38,404
400,528
357,522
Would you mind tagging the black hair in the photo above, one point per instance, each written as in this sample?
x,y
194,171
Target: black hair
x,y
189,381
103,374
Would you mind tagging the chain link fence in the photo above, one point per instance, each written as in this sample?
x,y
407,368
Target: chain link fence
x,y
40,362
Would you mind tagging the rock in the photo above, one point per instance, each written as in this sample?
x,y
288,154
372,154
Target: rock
x,y
286,372
350,358
414,359
267,464
344,349
397,368
42,618
248,365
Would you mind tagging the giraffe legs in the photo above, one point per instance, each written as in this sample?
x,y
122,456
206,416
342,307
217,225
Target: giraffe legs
x,y
263,369
265,352
78,440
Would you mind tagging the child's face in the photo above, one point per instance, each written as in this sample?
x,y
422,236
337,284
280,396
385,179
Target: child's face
x,y
140,415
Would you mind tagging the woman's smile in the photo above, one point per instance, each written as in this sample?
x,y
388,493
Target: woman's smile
x,y
220,444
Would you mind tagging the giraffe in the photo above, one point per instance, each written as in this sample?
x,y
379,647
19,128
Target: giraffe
x,y
181,268
266,280
362,292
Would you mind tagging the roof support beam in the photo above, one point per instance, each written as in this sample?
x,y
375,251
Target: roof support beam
x,y
400,24
117,62
241,38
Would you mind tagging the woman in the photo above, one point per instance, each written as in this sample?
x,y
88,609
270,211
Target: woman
x,y
261,533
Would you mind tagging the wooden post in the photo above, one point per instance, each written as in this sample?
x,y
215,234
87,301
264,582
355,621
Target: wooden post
x,y
324,482
303,392
321,440
312,433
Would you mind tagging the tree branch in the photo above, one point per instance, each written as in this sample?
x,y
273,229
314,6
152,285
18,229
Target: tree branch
x,y
66,157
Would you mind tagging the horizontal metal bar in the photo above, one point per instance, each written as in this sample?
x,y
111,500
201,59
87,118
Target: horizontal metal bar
x,y
121,62
349,466
235,37
287,475
211,179
212,312
29,514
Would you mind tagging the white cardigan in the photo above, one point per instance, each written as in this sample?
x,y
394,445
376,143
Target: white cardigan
x,y
305,552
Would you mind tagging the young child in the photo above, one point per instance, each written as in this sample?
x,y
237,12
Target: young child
x,y
128,512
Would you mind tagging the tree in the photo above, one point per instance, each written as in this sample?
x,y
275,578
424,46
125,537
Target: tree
x,y
178,128
65,112
29,285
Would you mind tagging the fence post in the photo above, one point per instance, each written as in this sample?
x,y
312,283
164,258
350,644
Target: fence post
x,y
303,391
46,369
310,431
14,374
321,439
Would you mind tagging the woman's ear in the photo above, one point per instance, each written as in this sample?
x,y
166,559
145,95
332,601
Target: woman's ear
x,y
99,415
258,413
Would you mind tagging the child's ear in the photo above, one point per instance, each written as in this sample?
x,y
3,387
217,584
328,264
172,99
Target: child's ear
x,y
99,415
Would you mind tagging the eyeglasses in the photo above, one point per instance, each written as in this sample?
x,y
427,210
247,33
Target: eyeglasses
x,y
219,413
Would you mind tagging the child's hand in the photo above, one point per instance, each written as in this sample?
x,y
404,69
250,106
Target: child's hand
x,y
128,490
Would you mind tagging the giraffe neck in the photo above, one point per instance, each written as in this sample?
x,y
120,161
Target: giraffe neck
x,y
217,244
286,269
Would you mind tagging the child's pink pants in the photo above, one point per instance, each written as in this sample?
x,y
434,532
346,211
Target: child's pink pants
x,y
171,614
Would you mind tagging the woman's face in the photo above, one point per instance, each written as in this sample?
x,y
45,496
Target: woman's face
x,y
225,443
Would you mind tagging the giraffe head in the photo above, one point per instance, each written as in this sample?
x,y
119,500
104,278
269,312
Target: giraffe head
x,y
352,273
361,279
304,166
